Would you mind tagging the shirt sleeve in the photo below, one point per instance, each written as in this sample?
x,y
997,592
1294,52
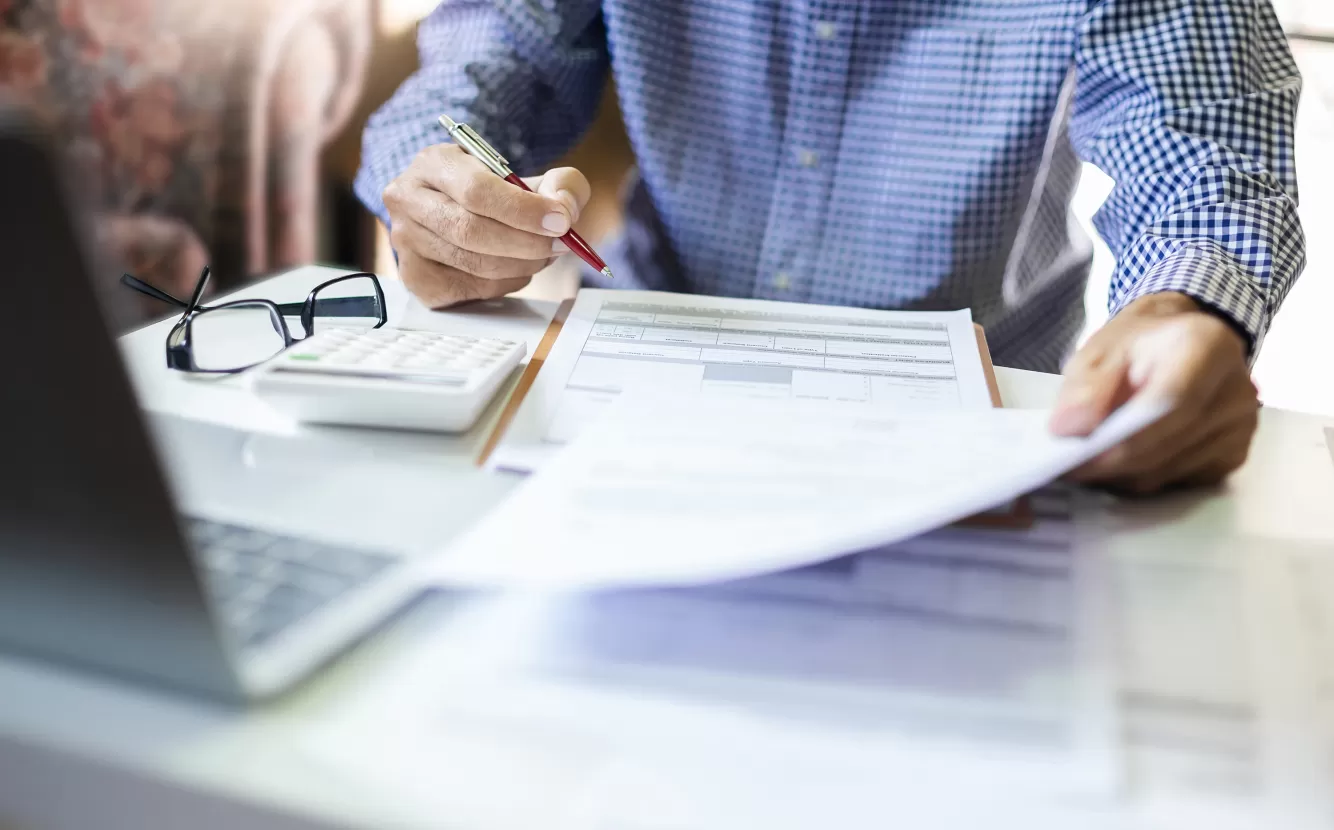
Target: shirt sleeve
x,y
1190,106
527,76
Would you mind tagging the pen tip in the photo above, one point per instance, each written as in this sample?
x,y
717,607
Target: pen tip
x,y
447,122
606,272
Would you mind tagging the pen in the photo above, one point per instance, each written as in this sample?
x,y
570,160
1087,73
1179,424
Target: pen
x,y
477,147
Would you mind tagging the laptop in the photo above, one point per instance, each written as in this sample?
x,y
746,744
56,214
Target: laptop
x,y
99,565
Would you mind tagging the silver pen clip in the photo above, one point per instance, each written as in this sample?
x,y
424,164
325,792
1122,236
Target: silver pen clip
x,y
478,147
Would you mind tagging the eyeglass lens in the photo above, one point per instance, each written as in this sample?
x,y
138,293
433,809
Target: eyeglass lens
x,y
233,337
349,303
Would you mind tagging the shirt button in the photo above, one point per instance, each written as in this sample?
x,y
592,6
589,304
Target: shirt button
x,y
782,280
825,30
808,158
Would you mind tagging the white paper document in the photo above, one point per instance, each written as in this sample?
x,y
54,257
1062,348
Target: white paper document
x,y
938,683
699,490
686,346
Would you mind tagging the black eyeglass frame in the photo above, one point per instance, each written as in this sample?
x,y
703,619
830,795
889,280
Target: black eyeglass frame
x,y
180,346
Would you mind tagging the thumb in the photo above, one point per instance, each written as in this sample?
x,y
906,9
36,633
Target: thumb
x,y
1092,391
567,186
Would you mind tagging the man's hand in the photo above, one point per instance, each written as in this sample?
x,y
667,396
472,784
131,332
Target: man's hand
x,y
1163,346
462,233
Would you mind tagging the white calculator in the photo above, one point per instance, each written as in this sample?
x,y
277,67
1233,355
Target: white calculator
x,y
386,377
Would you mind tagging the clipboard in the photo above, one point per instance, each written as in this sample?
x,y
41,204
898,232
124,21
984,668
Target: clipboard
x,y
1018,515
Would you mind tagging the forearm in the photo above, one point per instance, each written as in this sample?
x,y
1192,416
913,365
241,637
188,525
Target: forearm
x,y
497,66
1191,110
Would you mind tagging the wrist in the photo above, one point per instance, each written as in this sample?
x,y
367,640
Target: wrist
x,y
1166,304
1162,304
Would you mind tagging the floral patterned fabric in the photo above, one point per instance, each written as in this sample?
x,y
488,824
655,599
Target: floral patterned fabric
x,y
193,128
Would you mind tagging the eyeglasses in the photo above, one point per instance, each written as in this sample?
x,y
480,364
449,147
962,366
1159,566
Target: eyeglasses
x,y
234,336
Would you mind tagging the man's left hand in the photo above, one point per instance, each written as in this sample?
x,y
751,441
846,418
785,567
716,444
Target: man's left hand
x,y
1165,347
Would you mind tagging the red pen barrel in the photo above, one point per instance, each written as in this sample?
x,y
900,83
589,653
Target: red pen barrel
x,y
572,240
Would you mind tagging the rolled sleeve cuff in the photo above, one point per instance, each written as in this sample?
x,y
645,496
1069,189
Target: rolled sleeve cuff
x,y
370,189
1214,281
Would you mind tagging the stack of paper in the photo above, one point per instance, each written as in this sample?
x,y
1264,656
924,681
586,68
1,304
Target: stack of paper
x,y
972,677
708,438
788,631
697,490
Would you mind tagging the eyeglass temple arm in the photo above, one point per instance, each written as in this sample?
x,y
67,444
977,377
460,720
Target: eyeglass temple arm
x,y
156,293
336,307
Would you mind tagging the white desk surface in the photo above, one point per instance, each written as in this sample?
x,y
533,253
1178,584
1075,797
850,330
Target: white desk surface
x,y
80,751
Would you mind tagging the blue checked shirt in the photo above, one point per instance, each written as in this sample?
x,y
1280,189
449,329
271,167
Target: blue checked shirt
x,y
898,153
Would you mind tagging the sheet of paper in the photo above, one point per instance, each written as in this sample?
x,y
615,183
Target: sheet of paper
x,y
687,346
1216,698
696,490
941,682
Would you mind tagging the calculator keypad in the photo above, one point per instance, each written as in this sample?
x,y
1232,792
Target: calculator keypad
x,y
391,351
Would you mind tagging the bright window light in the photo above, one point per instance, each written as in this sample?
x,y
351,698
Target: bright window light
x,y
397,16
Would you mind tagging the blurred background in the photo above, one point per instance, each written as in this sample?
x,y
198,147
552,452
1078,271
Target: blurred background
x,y
229,134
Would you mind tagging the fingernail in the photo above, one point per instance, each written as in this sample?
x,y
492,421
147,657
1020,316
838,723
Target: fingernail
x,y
1071,413
556,222
1063,422
558,247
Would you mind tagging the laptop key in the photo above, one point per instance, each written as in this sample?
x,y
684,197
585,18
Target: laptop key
x,y
219,559
263,583
317,581
285,605
226,586
202,533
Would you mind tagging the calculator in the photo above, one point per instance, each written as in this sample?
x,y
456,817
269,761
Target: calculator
x,y
396,378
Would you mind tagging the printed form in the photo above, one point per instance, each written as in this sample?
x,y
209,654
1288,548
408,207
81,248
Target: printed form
x,y
684,345
881,686
698,490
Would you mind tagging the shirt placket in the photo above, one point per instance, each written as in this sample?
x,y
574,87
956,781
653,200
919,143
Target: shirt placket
x,y
790,258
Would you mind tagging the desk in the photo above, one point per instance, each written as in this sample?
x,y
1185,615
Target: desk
x,y
80,752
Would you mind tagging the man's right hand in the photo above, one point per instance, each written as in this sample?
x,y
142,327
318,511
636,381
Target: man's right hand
x,y
462,233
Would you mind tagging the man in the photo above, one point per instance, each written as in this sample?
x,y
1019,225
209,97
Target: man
x,y
892,154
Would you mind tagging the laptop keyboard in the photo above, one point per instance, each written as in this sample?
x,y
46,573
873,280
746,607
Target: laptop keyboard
x,y
263,583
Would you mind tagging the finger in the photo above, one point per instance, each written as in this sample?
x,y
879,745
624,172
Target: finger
x,y
1224,446
566,185
440,286
410,235
470,183
1152,450
1095,385
1184,363
450,225
1211,472
1207,462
